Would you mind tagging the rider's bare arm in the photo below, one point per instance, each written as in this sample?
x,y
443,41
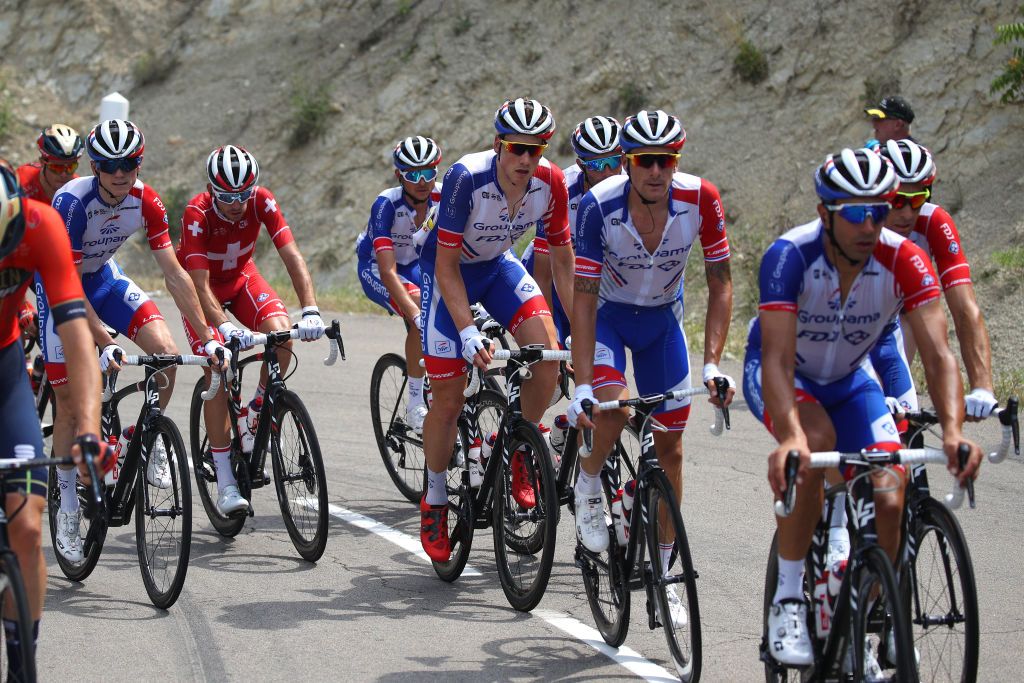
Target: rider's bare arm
x,y
409,307
452,286
299,274
563,264
719,314
212,308
183,291
584,321
972,334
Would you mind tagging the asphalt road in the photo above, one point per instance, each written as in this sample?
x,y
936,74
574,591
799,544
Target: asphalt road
x,y
373,609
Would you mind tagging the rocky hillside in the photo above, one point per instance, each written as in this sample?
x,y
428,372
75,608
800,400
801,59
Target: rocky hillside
x,y
201,74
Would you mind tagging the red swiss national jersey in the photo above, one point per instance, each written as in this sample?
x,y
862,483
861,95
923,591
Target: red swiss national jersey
x,y
211,242
28,178
44,249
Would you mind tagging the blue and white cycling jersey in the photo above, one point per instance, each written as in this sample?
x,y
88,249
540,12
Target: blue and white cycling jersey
x,y
473,213
835,336
574,185
391,226
609,247
97,230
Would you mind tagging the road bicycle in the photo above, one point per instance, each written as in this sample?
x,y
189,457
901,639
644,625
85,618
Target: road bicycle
x,y
863,626
523,523
610,576
163,516
401,448
13,597
285,431
935,571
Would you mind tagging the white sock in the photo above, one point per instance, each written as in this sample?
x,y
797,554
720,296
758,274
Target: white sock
x,y
222,461
436,484
415,391
588,484
838,518
666,556
791,581
67,479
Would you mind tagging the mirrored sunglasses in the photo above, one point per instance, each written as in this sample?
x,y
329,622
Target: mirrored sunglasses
x,y
858,213
520,148
607,163
915,199
127,165
232,197
69,167
649,160
423,175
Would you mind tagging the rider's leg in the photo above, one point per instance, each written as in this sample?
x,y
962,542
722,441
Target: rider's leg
x,y
439,430
25,535
538,389
155,337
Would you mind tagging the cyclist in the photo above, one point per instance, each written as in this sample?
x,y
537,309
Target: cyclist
x,y
828,289
387,260
60,147
32,239
633,235
890,119
488,200
218,238
930,227
598,156
100,212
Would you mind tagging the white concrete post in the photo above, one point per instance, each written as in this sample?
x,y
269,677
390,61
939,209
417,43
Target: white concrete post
x,y
113,106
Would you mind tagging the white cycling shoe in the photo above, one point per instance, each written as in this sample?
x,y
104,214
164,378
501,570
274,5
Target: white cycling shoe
x,y
231,501
872,671
676,608
158,471
591,527
789,642
67,539
415,415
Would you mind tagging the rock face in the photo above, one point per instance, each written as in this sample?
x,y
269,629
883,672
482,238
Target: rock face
x,y
202,74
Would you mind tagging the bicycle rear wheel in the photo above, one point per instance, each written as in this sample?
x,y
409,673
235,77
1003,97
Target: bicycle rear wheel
x,y
880,616
774,672
400,447
521,532
205,471
681,620
163,518
939,590
603,581
299,476
13,598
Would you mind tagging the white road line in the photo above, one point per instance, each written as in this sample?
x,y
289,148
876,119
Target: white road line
x,y
625,657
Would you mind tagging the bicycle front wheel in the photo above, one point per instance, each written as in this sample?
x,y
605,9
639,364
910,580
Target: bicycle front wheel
x,y
14,599
525,517
205,471
880,623
675,581
163,517
400,447
604,582
775,672
938,586
299,476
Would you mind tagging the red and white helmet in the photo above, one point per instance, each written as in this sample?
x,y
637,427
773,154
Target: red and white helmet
x,y
232,169
60,143
116,139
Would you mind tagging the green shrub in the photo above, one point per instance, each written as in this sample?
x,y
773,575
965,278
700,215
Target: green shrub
x,y
153,68
175,199
310,108
750,64
463,23
631,99
1011,81
1010,259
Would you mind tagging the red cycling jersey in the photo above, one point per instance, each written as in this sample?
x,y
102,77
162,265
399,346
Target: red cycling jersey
x,y
936,233
44,249
28,178
211,242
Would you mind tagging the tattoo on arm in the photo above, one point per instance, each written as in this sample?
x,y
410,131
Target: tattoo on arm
x,y
587,285
720,271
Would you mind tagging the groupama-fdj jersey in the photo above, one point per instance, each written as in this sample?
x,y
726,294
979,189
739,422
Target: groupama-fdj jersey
x,y
211,242
936,234
473,217
45,251
833,336
640,296
391,227
97,230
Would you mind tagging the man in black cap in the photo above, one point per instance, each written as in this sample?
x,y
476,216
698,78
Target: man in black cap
x,y
891,119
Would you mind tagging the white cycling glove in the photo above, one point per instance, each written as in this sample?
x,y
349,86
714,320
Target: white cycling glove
x,y
583,392
107,355
228,330
211,347
418,321
894,406
311,326
980,403
711,371
472,342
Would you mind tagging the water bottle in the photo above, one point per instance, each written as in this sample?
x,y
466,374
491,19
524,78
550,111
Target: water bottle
x,y
822,607
120,451
476,469
558,430
545,432
486,447
628,491
835,580
618,519
109,479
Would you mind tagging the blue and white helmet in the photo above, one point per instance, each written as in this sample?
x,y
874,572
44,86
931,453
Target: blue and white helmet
x,y
526,117
855,173
652,129
596,136
116,139
416,151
